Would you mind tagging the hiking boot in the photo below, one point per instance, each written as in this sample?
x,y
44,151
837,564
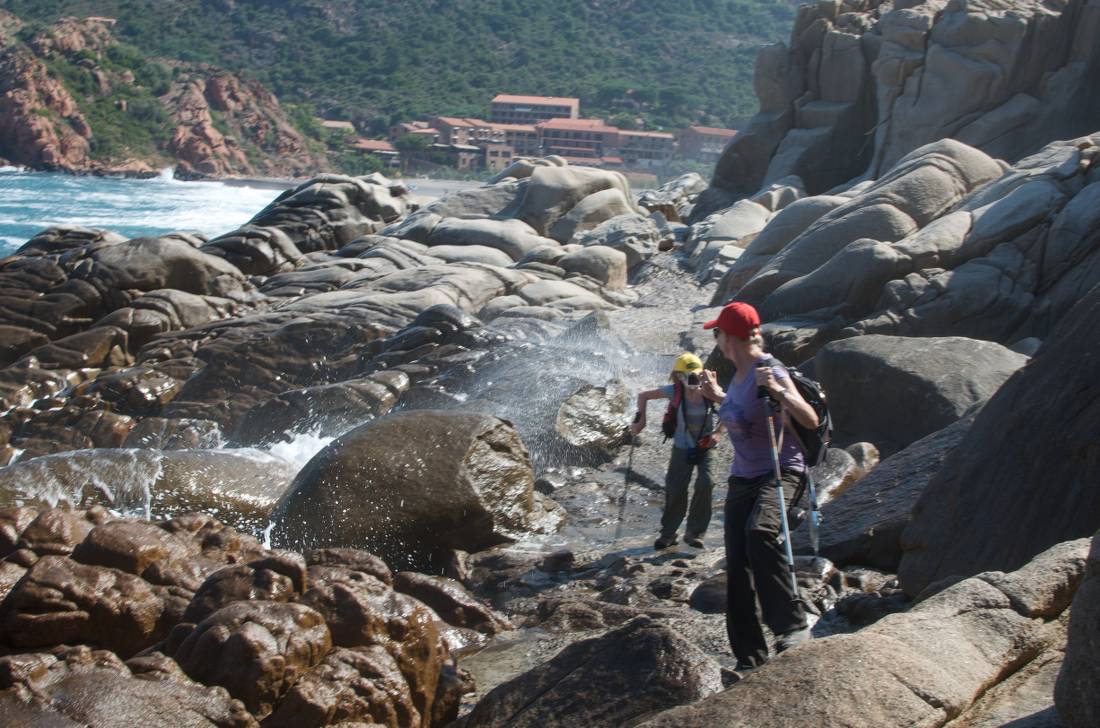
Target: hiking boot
x,y
794,638
664,542
693,541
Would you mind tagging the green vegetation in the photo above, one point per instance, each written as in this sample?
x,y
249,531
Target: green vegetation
x,y
376,62
126,118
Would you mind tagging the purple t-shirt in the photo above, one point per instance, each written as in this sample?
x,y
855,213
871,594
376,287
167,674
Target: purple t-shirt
x,y
742,412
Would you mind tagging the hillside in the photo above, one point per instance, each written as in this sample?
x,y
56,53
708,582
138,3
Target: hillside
x,y
653,64
73,98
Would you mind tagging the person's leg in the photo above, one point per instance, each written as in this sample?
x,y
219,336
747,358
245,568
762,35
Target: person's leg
x,y
676,486
782,610
700,510
743,627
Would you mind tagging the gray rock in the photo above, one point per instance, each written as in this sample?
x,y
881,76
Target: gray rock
x,y
604,264
635,235
863,524
1019,481
552,192
1076,691
614,680
925,666
871,379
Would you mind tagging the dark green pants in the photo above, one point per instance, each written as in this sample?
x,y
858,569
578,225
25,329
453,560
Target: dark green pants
x,y
758,583
677,480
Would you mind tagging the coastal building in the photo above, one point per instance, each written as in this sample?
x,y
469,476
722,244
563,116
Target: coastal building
x,y
584,141
456,130
522,138
646,149
380,148
498,155
704,143
512,109
417,128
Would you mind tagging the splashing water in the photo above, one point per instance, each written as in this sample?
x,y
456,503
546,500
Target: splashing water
x,y
33,201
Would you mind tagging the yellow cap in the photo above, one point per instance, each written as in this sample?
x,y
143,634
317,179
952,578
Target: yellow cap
x,y
687,362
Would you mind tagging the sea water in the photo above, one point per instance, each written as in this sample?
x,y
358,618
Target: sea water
x,y
33,201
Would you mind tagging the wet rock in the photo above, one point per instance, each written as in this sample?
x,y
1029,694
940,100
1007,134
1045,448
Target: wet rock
x,y
238,583
218,541
935,380
361,611
450,600
57,531
360,686
327,409
158,433
18,341
13,521
1075,693
239,486
142,549
613,680
469,491
1026,462
61,601
352,559
594,417
77,686
136,391
255,650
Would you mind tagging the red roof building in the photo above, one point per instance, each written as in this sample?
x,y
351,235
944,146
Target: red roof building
x,y
513,109
704,143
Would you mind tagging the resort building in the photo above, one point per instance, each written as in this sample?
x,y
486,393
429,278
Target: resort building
x,y
509,109
704,143
380,148
646,149
582,141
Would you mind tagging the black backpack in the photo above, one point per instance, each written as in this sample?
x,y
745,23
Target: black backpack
x,y
813,442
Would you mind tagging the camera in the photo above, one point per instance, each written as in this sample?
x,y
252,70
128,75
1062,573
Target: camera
x,y
693,380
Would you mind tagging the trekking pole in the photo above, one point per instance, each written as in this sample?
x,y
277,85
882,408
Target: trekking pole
x,y
779,493
626,484
815,515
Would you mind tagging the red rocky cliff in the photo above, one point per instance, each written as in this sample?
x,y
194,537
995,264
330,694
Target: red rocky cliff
x,y
221,126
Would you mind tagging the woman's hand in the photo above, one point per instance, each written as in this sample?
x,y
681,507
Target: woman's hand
x,y
710,387
765,378
638,424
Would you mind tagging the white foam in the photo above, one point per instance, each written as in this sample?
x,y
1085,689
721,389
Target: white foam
x,y
302,448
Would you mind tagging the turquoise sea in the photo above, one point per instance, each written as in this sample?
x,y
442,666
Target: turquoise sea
x,y
33,201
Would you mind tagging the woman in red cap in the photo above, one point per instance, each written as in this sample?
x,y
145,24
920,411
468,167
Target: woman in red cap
x,y
758,587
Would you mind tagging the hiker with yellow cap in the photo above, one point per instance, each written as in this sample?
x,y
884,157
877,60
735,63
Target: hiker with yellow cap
x,y
689,421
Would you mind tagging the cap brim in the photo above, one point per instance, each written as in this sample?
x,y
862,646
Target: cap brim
x,y
710,324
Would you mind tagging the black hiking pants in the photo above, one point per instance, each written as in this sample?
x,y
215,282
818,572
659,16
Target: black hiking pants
x,y
758,584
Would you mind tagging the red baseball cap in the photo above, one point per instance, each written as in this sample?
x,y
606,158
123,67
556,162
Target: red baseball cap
x,y
736,319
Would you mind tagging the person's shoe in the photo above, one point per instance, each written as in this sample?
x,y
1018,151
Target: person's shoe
x,y
664,542
794,638
693,541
